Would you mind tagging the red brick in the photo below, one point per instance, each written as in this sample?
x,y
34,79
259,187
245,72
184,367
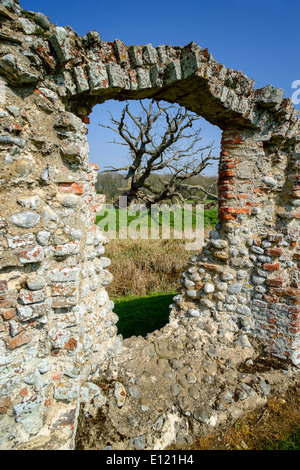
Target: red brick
x,y
274,237
3,287
271,267
274,252
252,204
291,294
5,405
226,187
9,313
227,166
227,196
94,166
24,392
14,127
8,300
56,375
63,302
85,119
64,289
23,338
32,255
227,217
233,210
259,191
275,282
71,344
31,297
226,173
236,140
44,54
75,188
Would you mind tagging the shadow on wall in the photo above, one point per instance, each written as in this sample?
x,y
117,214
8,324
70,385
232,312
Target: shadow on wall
x,y
139,316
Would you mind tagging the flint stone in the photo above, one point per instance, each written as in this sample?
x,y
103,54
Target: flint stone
x,y
194,392
139,442
35,282
207,303
8,139
214,234
34,311
226,276
43,237
62,45
71,200
191,293
257,250
28,406
30,202
43,366
192,312
221,286
175,390
191,377
244,310
120,394
25,219
257,280
219,244
270,181
42,20
66,391
208,288
243,341
234,288
28,26
201,414
99,401
88,391
265,388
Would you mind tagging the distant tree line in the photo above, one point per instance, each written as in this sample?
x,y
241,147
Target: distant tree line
x,y
111,184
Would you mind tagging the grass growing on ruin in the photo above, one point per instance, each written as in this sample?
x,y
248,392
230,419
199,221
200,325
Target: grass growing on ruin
x,y
290,442
141,315
143,267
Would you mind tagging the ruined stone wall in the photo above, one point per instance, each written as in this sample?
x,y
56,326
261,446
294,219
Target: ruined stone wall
x,y
57,324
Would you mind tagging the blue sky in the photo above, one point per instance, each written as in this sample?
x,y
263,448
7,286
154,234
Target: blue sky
x,y
259,37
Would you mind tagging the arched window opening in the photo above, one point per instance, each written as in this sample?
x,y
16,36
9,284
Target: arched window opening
x,y
147,271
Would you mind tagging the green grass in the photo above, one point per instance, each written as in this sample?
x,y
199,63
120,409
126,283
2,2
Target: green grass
x,y
106,219
211,217
141,315
290,442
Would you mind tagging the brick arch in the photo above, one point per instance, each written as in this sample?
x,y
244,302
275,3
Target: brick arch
x,y
57,322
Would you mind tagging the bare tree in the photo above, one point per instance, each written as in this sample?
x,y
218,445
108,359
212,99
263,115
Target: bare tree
x,y
163,140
